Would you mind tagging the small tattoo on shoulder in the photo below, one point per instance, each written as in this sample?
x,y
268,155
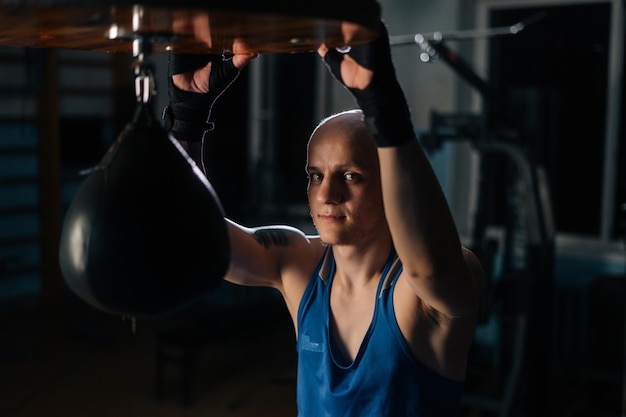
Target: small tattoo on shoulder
x,y
271,237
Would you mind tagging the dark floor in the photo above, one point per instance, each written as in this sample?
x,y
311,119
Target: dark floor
x,y
74,361
80,363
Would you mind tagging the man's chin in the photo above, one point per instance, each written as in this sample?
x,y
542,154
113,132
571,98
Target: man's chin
x,y
332,240
327,240
331,237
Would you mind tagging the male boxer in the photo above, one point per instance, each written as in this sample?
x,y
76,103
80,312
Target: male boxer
x,y
384,299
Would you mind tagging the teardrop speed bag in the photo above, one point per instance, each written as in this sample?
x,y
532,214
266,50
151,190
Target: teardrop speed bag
x,y
145,233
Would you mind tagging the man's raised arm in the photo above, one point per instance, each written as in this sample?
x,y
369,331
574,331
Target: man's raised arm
x,y
441,272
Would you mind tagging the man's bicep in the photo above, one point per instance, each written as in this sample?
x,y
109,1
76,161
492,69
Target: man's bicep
x,y
258,254
269,237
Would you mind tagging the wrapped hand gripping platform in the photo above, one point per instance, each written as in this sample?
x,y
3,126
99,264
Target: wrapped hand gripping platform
x,y
145,233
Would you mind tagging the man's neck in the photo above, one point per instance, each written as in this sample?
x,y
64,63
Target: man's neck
x,y
357,266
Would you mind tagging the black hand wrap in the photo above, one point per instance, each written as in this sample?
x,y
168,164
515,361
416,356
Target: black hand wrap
x,y
384,106
187,117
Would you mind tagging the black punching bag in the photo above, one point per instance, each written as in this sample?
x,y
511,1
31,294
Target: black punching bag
x,y
145,233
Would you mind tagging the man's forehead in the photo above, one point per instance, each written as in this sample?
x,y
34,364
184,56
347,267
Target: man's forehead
x,y
342,151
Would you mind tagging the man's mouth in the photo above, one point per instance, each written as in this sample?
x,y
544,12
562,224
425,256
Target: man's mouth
x,y
331,217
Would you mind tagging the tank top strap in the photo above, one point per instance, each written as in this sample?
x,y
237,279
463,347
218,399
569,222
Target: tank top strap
x,y
390,273
326,266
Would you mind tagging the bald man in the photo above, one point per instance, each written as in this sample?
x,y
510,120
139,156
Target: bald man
x,y
384,299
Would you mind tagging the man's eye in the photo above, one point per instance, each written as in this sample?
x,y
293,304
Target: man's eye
x,y
351,176
315,177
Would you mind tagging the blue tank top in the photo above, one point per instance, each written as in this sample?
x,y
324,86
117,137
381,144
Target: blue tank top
x,y
385,379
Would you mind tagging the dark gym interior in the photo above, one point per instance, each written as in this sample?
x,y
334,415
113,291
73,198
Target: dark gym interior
x,y
548,221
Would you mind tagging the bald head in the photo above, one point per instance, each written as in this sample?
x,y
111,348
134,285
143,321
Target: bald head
x,y
347,126
349,121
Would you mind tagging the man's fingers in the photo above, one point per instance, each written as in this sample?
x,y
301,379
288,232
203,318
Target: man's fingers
x,y
196,81
321,51
200,79
242,53
241,60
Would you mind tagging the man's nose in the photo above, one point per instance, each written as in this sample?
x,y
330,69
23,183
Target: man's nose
x,y
330,191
